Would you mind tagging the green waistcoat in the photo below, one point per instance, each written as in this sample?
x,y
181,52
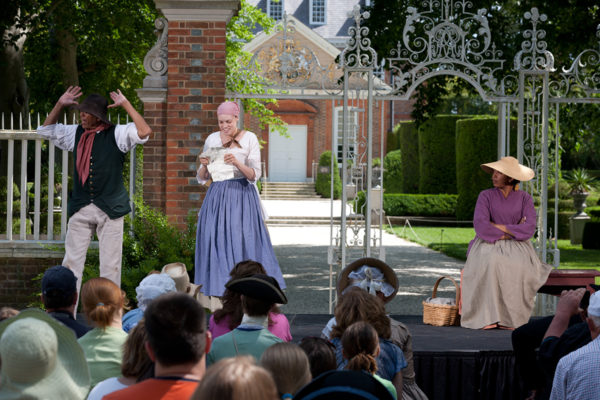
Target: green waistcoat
x,y
104,186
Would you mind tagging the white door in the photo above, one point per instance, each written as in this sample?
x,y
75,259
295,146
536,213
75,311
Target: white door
x,y
287,155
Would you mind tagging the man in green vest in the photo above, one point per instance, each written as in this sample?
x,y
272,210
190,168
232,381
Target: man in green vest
x,y
98,199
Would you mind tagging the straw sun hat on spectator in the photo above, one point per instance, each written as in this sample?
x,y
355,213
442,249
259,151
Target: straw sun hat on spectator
x,y
41,359
178,272
369,274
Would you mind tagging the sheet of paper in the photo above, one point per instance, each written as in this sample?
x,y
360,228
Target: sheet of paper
x,y
218,169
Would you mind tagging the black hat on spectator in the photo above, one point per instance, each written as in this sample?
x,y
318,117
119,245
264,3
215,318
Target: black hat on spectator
x,y
346,385
59,279
260,287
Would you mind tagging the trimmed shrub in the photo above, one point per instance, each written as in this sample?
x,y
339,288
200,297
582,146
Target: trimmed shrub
x,y
591,236
593,212
437,154
441,205
476,143
392,140
392,178
323,182
563,223
409,146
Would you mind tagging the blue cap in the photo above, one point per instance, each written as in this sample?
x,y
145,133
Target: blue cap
x,y
59,279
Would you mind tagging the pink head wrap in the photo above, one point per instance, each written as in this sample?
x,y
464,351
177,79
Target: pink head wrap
x,y
229,108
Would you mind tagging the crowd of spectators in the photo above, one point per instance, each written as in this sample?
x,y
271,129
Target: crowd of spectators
x,y
169,347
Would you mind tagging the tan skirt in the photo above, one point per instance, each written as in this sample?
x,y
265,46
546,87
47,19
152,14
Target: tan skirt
x,y
499,283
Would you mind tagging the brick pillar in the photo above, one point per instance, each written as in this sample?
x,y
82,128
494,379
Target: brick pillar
x,y
193,85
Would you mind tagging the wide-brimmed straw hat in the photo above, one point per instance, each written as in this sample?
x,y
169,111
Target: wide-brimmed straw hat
x,y
41,359
260,287
96,105
178,272
510,167
369,274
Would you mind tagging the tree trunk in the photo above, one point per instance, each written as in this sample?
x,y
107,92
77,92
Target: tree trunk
x,y
14,96
67,55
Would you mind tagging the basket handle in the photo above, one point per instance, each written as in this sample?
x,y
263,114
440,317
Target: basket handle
x,y
435,287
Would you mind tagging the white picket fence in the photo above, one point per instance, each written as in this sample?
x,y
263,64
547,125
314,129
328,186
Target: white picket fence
x,y
19,133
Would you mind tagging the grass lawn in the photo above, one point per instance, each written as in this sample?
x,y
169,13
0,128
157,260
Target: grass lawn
x,y
454,242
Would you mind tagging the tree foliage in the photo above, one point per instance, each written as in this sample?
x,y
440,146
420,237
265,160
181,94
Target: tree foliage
x,y
569,29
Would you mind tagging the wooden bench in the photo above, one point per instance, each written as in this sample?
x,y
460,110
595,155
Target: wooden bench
x,y
565,279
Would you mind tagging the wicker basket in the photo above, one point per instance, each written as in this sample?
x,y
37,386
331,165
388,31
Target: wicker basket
x,y
441,314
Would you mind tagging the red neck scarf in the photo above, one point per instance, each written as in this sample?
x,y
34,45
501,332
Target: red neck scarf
x,y
84,151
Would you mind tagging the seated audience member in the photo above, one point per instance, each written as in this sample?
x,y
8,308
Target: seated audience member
x,y
259,294
59,296
229,317
236,378
321,354
149,288
177,342
344,385
380,280
289,367
360,346
103,302
555,336
357,305
135,367
40,359
577,374
7,312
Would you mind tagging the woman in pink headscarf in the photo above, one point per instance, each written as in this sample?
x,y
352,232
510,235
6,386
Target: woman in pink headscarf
x,y
230,223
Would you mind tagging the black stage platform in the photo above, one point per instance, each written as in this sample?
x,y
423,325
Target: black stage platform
x,y
450,362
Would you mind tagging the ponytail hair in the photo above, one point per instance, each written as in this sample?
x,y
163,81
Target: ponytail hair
x,y
360,344
101,299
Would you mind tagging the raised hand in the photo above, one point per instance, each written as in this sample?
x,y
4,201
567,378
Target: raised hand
x,y
69,97
569,301
118,99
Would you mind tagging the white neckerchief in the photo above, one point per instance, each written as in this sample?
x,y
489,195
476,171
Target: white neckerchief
x,y
254,322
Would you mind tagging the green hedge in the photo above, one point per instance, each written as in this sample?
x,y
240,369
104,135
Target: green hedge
x,y
409,146
437,154
591,236
563,223
392,177
476,143
392,140
593,212
394,204
323,182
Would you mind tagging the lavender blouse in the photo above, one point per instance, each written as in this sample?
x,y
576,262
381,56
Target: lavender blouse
x,y
492,206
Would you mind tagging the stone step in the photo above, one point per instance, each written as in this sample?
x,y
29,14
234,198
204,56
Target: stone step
x,y
289,191
303,221
272,196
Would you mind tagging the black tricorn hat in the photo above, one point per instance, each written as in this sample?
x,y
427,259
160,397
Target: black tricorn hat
x,y
96,105
258,286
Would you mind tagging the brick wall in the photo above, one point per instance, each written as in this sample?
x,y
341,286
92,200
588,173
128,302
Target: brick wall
x,y
195,85
155,156
17,288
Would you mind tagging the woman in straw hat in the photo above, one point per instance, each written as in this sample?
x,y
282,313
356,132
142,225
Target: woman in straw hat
x,y
503,272
230,223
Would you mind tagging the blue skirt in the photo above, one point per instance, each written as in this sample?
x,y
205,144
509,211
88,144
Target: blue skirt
x,y
231,229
